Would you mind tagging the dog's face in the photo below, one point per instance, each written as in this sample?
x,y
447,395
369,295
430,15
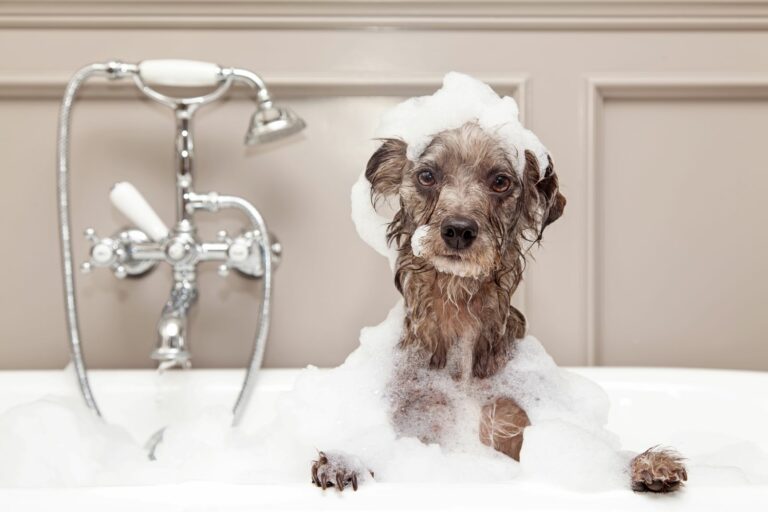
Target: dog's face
x,y
464,209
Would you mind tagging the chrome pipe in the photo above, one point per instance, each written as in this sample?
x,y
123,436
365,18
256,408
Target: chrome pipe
x,y
213,202
185,148
253,81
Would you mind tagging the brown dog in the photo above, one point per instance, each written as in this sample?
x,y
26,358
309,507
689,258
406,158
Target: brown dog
x,y
465,223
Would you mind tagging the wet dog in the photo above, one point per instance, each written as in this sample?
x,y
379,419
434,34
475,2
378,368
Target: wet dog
x,y
465,223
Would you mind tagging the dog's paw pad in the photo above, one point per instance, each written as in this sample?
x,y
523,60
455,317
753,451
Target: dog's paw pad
x,y
336,469
658,470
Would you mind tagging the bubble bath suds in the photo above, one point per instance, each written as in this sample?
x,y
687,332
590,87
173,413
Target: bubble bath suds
x,y
461,99
57,442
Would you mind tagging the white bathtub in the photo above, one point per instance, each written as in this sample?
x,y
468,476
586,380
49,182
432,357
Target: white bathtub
x,y
649,406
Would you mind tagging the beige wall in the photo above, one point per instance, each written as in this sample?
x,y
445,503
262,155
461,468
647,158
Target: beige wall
x,y
656,114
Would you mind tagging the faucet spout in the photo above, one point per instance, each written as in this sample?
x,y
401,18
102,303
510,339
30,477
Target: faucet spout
x,y
172,343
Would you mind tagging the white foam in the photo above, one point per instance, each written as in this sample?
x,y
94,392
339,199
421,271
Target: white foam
x,y
57,441
370,225
417,239
460,100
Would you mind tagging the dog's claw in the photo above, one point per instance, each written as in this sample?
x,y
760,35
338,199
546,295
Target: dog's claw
x,y
314,475
336,470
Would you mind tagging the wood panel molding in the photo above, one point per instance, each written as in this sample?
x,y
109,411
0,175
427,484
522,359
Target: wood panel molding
x,y
645,87
376,14
282,86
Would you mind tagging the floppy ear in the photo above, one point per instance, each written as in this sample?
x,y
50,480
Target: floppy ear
x,y
551,202
385,168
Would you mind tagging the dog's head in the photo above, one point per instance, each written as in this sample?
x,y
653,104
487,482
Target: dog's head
x,y
464,209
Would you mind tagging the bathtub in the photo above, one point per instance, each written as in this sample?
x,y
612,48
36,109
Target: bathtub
x,y
649,406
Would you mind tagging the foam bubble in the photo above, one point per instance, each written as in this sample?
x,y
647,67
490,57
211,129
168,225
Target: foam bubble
x,y
370,225
417,239
57,441
460,100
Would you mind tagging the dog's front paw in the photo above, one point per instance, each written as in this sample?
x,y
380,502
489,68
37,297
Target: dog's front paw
x,y
338,469
658,470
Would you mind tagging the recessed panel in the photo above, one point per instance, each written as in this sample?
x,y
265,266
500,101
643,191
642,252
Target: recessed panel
x,y
682,242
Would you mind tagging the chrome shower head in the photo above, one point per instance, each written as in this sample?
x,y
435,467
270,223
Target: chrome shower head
x,y
270,123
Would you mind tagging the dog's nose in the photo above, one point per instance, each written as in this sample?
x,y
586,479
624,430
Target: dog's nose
x,y
458,232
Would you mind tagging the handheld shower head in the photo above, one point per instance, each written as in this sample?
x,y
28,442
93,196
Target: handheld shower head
x,y
270,123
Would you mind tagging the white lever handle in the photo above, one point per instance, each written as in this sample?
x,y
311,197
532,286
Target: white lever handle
x,y
174,72
132,204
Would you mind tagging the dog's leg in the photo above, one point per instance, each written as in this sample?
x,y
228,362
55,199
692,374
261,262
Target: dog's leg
x,y
493,346
501,426
423,329
657,470
337,469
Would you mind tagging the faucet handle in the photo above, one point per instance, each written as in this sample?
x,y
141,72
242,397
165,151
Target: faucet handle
x,y
244,253
93,238
240,250
90,235
129,201
104,251
114,253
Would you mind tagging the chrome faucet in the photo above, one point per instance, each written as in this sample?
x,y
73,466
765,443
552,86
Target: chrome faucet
x,y
136,251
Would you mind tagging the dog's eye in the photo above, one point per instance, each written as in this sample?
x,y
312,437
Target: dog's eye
x,y
501,183
427,178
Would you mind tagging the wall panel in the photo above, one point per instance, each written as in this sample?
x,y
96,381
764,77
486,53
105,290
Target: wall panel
x,y
612,87
679,251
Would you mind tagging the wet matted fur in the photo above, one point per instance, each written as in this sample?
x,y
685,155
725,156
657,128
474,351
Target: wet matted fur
x,y
453,294
478,218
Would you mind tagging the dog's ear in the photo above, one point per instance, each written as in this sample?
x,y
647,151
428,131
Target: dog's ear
x,y
385,168
550,198
551,202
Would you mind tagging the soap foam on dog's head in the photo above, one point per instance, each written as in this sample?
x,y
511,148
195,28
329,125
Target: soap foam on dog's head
x,y
461,99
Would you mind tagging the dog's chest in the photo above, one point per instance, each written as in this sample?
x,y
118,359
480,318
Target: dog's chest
x,y
459,361
458,312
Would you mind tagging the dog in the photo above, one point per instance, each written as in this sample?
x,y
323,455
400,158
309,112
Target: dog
x,y
465,223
